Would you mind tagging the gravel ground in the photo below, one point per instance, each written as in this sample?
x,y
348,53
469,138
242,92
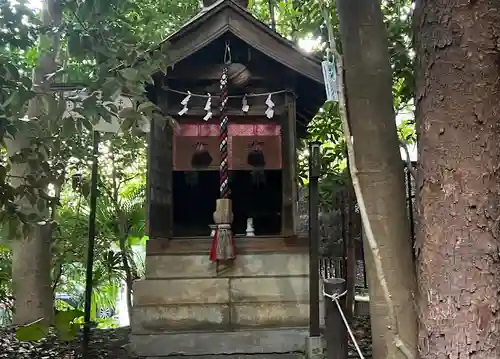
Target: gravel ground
x,y
104,344
112,344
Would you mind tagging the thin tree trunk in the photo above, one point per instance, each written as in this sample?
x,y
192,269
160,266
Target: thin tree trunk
x,y
31,259
457,112
123,235
379,174
126,265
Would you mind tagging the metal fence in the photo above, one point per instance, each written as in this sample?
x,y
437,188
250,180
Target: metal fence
x,y
332,262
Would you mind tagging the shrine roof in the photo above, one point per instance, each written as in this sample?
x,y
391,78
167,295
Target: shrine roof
x,y
226,16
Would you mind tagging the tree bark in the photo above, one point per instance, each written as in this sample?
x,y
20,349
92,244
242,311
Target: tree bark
x,y
457,112
380,174
31,258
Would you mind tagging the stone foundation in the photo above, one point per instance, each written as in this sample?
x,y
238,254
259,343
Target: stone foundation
x,y
185,293
258,305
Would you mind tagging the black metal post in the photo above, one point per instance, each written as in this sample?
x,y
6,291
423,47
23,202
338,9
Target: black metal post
x,y
91,245
343,218
314,173
271,14
335,329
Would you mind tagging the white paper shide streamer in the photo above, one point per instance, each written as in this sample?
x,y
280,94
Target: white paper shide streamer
x,y
244,104
270,107
208,108
185,103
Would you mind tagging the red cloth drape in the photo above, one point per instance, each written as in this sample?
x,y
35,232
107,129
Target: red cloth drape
x,y
213,249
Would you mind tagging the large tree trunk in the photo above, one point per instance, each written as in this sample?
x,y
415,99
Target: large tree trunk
x,y
31,259
381,179
457,110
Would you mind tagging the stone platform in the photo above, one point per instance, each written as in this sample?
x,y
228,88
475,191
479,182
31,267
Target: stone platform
x,y
185,306
220,343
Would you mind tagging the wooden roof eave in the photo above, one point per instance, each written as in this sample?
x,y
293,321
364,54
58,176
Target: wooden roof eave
x,y
227,16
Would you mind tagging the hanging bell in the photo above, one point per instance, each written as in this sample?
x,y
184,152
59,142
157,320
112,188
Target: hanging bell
x,y
201,157
239,75
256,157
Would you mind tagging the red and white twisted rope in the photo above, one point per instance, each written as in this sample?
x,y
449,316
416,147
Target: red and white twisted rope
x,y
223,144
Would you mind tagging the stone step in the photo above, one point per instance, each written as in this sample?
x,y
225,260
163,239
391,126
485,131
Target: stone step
x,y
246,265
221,290
263,341
237,356
219,317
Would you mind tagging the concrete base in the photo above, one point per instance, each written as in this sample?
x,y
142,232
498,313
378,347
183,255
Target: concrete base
x,y
362,306
202,343
314,347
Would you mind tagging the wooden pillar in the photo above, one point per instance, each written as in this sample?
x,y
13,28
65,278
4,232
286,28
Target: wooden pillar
x,y
289,177
335,329
159,177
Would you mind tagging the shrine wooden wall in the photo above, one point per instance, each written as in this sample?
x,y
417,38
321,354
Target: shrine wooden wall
x,y
159,215
159,209
162,152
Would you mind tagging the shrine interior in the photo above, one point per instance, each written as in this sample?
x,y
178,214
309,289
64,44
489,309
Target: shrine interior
x,y
257,195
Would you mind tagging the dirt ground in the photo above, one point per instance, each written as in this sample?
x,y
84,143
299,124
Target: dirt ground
x,y
112,344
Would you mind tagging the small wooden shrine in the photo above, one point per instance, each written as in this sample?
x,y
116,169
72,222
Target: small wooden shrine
x,y
242,96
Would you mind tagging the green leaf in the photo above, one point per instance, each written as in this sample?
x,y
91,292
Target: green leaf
x,y
129,113
130,74
90,106
127,124
111,87
74,44
11,99
12,71
41,205
51,107
68,333
32,332
148,105
32,217
134,241
3,173
68,127
86,123
65,318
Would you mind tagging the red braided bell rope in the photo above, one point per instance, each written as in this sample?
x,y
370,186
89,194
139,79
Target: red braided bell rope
x,y
223,143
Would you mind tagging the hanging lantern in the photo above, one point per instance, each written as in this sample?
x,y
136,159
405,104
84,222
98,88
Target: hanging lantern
x,y
201,158
255,156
